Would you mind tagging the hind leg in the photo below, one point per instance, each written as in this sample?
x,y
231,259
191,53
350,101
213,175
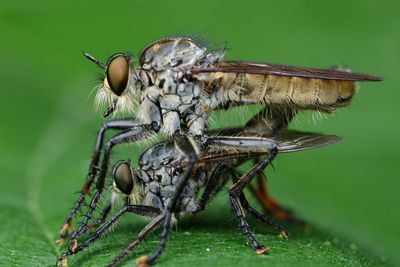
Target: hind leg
x,y
270,120
270,205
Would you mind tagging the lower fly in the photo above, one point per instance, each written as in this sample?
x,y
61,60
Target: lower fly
x,y
166,184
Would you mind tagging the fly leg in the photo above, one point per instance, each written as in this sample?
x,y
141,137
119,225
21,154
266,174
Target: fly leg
x,y
102,218
142,235
261,217
112,125
137,209
237,189
255,213
216,181
130,136
271,120
270,205
249,145
187,148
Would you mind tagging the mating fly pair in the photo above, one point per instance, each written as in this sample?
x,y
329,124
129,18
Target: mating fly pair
x,y
176,86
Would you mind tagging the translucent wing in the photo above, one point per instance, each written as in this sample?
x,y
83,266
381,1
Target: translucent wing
x,y
291,141
283,70
288,141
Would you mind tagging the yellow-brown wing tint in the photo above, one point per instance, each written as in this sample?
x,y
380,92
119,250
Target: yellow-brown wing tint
x,y
284,70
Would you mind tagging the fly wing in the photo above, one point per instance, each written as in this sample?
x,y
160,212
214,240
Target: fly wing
x,y
287,141
292,141
283,70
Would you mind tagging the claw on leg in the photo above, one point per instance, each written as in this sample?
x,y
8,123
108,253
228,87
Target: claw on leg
x,y
284,234
64,229
73,244
143,261
64,233
261,250
62,261
60,242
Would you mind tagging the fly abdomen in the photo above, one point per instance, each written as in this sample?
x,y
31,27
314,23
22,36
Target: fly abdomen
x,y
297,92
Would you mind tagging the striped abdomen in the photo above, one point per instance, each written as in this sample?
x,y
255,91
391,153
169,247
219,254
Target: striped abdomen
x,y
299,93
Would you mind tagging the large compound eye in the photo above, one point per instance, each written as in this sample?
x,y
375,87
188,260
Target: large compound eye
x,y
118,73
123,177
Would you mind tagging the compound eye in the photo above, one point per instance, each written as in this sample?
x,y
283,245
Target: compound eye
x,y
123,177
118,73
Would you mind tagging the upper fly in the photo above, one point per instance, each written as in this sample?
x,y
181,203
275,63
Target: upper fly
x,y
178,81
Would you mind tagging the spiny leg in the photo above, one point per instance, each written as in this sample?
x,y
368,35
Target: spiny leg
x,y
239,214
261,217
186,146
254,146
127,136
271,120
245,147
113,125
226,148
137,209
217,179
235,192
256,214
142,235
102,217
215,182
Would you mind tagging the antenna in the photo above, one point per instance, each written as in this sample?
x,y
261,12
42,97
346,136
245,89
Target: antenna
x,y
94,60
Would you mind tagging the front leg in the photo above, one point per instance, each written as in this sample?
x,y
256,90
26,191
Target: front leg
x,y
128,136
137,209
108,125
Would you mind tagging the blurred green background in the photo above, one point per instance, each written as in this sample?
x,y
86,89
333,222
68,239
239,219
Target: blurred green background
x,y
349,192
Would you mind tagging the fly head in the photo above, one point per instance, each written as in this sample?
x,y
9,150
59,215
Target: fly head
x,y
125,182
120,88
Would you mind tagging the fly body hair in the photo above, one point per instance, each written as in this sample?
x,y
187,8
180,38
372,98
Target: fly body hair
x,y
311,117
201,39
126,103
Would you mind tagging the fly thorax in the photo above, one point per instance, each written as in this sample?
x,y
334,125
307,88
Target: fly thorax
x,y
160,171
178,98
171,53
160,191
159,185
156,173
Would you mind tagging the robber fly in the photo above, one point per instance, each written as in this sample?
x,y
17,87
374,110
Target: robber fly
x,y
176,86
148,190
178,80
